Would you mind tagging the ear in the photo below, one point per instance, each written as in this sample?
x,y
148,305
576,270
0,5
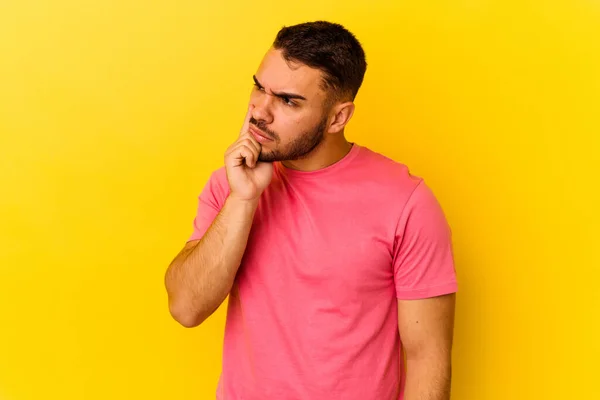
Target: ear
x,y
341,114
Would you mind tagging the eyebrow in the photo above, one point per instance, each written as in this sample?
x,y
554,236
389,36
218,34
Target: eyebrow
x,y
280,94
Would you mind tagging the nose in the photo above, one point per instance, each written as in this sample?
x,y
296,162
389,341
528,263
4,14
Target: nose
x,y
262,108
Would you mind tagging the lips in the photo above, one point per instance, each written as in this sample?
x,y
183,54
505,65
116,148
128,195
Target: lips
x,y
259,135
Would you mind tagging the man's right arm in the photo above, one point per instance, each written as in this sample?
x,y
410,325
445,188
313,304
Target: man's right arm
x,y
201,276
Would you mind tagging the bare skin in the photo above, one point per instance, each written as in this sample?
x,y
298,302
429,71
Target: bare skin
x,y
427,328
202,274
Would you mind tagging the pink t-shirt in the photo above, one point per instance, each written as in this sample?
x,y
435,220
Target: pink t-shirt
x,y
313,310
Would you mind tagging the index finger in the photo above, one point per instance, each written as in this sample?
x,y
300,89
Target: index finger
x,y
246,124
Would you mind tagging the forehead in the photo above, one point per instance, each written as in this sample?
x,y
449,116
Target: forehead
x,y
276,74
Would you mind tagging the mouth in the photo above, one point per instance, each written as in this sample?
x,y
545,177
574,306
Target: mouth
x,y
259,135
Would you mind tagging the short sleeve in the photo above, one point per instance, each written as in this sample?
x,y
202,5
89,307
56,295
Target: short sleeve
x,y
210,202
423,256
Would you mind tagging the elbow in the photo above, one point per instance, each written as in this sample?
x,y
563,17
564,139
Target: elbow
x,y
188,321
183,315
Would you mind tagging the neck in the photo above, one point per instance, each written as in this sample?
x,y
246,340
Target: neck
x,y
324,155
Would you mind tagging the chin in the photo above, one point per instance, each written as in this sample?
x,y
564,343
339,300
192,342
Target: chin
x,y
268,154
268,158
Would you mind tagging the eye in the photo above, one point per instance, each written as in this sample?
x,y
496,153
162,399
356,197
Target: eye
x,y
288,102
256,86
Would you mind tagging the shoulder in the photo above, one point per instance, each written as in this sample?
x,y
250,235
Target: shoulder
x,y
390,176
394,188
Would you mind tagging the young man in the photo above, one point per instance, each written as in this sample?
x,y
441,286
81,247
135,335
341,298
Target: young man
x,y
337,261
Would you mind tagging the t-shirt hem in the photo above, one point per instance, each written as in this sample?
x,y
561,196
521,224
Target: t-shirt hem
x,y
432,291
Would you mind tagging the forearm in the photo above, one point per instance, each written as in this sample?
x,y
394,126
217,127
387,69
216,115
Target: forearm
x,y
428,378
198,281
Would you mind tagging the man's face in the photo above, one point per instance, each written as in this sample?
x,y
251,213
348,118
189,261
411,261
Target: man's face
x,y
289,118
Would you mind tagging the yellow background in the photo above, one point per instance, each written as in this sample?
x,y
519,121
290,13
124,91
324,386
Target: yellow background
x,y
113,114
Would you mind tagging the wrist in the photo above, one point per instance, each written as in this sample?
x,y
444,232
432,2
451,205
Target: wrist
x,y
238,202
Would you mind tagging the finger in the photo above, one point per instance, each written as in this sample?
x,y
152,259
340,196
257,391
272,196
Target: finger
x,y
249,140
246,124
246,140
244,155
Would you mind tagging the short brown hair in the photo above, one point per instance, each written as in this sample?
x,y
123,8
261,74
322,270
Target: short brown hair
x,y
329,47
